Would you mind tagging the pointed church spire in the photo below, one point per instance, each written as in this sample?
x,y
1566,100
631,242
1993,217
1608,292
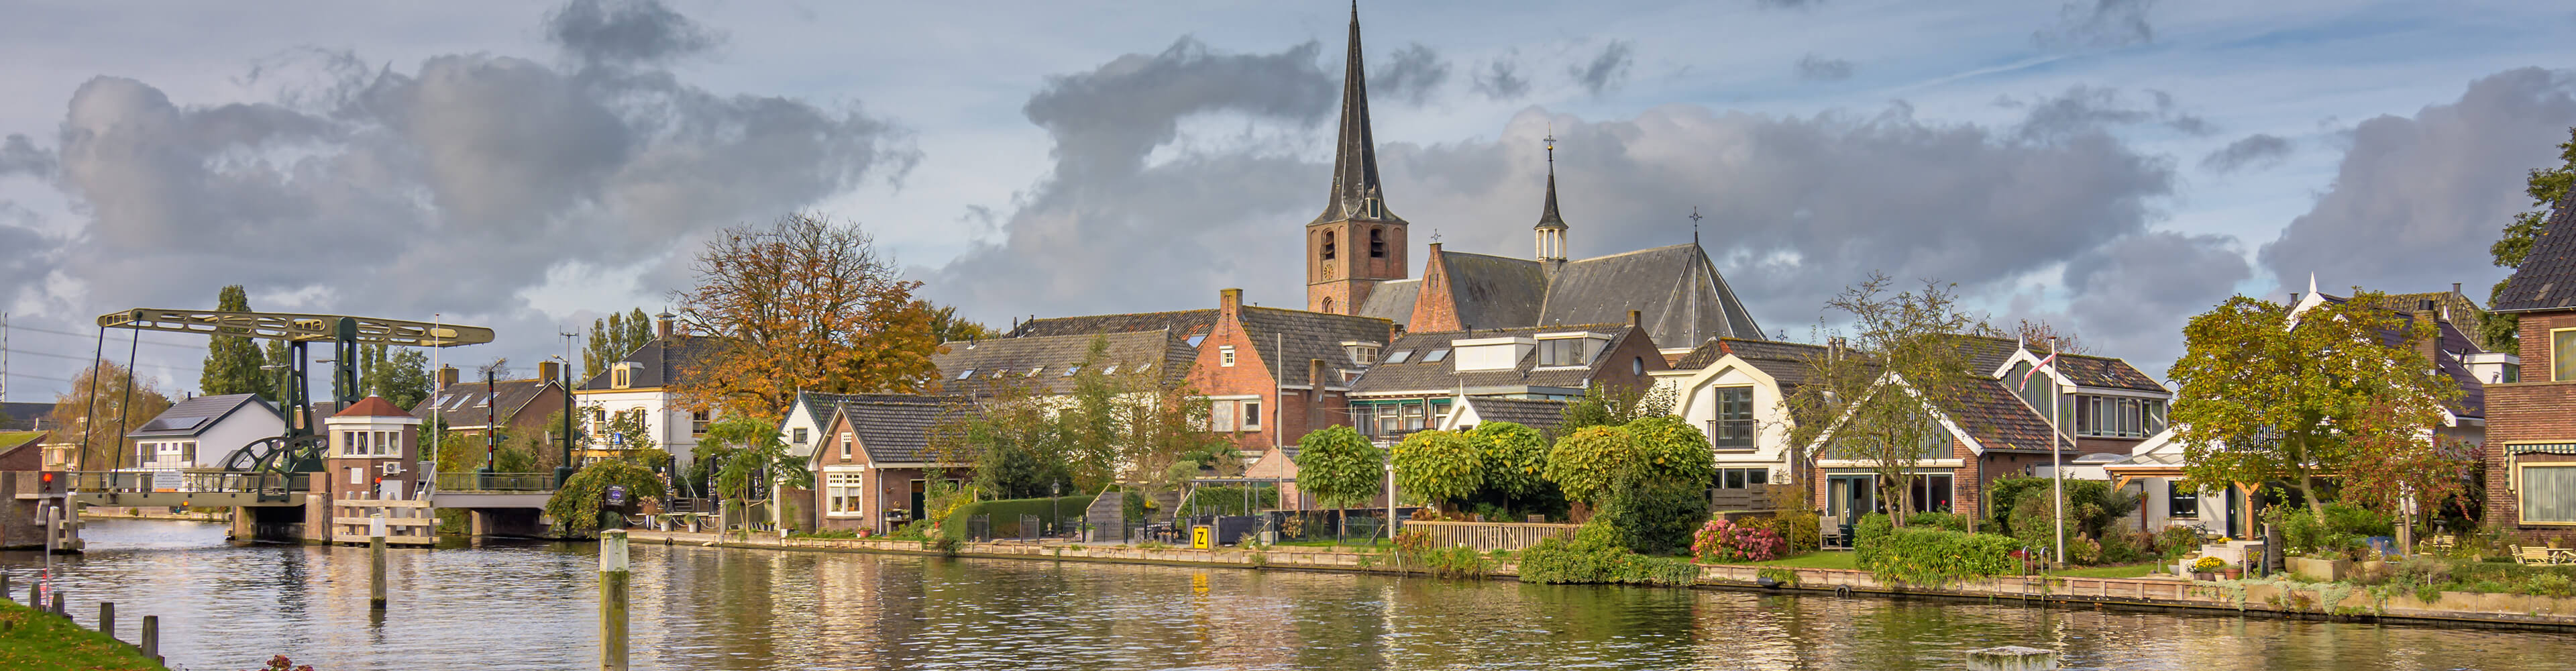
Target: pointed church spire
x,y
1547,216
1355,185
1551,226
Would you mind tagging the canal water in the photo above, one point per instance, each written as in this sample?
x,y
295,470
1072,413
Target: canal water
x,y
534,606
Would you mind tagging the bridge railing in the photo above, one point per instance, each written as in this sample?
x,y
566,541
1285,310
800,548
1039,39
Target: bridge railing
x,y
185,481
496,482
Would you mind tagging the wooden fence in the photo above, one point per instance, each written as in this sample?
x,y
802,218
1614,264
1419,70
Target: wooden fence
x,y
1490,536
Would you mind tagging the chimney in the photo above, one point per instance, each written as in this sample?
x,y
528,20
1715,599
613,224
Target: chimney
x,y
446,376
2428,334
1229,301
2455,289
550,370
1636,319
662,325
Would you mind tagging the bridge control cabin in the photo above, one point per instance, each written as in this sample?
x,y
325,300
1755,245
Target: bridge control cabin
x,y
373,466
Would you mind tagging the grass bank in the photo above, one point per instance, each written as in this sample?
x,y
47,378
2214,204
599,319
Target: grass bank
x,y
34,640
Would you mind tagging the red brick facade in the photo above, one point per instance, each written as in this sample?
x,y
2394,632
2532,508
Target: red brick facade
x,y
2533,410
1434,310
1285,398
882,488
1339,284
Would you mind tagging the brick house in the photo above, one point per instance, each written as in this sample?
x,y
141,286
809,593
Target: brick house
x,y
874,456
2531,413
471,407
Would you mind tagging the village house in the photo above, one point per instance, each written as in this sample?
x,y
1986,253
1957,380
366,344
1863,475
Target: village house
x,y
1734,390
2531,429
199,432
641,385
1426,379
470,408
874,463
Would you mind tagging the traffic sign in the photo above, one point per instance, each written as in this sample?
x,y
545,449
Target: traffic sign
x,y
617,495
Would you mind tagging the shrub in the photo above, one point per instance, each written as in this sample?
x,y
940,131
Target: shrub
x,y
1721,541
2340,530
1655,516
1439,466
2092,509
1951,521
2175,541
578,506
1925,556
1799,528
1869,537
2124,545
1595,555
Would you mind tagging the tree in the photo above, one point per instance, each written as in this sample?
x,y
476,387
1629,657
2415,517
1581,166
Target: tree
x,y
946,326
1880,407
1614,405
1439,467
2546,187
1646,478
1514,458
747,449
402,378
2268,396
1014,442
2393,472
105,403
1339,467
578,505
612,338
2035,335
232,361
803,304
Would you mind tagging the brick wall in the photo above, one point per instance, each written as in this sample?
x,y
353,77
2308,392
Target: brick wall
x,y
1249,376
1434,308
2533,410
1352,272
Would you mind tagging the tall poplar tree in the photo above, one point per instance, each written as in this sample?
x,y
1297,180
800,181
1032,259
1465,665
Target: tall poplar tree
x,y
612,338
233,361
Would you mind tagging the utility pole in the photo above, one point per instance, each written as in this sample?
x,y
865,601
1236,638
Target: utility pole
x,y
4,357
563,473
492,416
2056,467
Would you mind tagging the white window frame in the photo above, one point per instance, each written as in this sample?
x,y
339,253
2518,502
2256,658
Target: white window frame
x,y
847,488
2562,360
845,445
1225,356
2522,493
1251,415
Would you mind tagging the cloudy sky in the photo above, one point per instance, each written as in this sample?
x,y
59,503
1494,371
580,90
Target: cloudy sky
x,y
2109,165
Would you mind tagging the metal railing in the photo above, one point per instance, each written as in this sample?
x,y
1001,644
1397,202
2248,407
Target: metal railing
x,y
184,481
496,482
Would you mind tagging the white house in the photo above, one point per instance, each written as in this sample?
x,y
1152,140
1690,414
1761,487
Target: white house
x,y
199,432
1732,389
641,384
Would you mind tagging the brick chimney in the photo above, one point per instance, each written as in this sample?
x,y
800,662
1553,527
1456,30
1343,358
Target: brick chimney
x,y
550,370
446,376
2428,334
662,325
1229,301
1636,318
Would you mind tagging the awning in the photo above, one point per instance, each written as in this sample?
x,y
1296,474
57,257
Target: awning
x,y
2541,448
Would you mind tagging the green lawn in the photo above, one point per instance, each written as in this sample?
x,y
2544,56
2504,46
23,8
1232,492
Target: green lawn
x,y
32,640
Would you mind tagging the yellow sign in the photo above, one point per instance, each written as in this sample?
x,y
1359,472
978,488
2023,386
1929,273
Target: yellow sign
x,y
1200,537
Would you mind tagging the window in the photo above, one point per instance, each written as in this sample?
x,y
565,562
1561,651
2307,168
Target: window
x,y
621,376
2117,417
1564,351
970,372
1399,356
1377,243
1328,305
388,443
188,452
1637,366
1740,478
2549,491
1328,251
358,444
357,476
1733,427
800,436
1364,354
1225,355
1931,493
1251,415
1033,370
2562,355
845,445
841,494
698,421
2181,501
1070,370
1221,416
1435,356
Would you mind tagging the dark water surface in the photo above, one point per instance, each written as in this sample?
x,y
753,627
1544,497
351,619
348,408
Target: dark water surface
x,y
534,606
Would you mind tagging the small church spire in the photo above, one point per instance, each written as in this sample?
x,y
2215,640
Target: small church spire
x,y
1551,226
1355,183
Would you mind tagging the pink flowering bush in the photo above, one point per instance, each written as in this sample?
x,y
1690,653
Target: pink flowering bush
x,y
1720,541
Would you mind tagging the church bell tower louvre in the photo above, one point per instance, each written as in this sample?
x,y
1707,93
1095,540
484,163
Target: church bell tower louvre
x,y
1356,242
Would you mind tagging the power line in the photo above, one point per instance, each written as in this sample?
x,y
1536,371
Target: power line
x,y
13,350
40,377
200,348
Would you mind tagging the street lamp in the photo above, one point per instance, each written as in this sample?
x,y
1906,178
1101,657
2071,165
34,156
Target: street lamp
x,y
1055,503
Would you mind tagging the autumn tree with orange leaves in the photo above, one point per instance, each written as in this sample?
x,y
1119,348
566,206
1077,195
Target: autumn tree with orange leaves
x,y
802,304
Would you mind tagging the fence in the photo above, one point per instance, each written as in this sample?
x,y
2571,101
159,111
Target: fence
x,y
496,482
1347,527
185,481
984,527
1491,536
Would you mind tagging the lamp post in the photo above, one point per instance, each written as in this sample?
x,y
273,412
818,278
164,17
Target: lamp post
x,y
1055,503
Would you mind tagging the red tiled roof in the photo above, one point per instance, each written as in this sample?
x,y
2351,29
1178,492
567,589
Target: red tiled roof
x,y
373,406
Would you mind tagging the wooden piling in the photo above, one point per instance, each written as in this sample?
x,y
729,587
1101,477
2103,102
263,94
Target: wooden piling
x,y
613,578
107,618
58,606
4,585
376,561
2012,658
150,638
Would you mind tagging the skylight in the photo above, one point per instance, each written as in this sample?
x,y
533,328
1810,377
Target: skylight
x,y
1399,356
970,372
1434,356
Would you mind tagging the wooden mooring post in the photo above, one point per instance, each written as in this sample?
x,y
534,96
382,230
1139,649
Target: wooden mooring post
x,y
107,618
613,578
150,638
2012,658
376,561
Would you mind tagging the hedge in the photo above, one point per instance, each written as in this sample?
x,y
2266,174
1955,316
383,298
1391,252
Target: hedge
x,y
1006,513
1929,556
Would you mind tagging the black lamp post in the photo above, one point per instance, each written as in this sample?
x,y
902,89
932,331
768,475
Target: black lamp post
x,y
1055,503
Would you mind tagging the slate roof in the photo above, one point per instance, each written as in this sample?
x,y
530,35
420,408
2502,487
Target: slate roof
x,y
193,416
1182,322
1308,335
970,366
664,361
2105,372
1999,420
24,416
2453,343
463,402
1540,414
1683,297
1392,301
1497,291
1414,375
896,428
2547,278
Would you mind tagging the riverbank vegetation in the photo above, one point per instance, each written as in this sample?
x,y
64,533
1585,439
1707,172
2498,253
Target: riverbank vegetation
x,y
30,639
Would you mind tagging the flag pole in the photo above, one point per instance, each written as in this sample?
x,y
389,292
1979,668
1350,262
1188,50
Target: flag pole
x,y
2056,468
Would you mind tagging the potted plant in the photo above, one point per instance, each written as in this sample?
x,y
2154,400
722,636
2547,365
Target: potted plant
x,y
2202,568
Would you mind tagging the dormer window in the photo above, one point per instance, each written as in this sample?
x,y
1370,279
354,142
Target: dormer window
x,y
1362,353
621,376
1565,351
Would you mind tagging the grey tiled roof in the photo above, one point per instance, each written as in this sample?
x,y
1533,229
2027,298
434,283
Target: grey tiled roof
x,y
1496,291
2472,399
971,366
1355,183
1787,362
1683,298
1414,375
1182,322
2547,278
195,415
1985,354
665,361
1391,301
1999,420
896,428
463,402
1539,414
1308,335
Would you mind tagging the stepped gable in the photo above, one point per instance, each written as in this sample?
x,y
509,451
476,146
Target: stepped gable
x,y
2546,280
1678,290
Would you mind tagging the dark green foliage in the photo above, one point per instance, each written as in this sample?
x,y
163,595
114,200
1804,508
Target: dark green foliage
x,y
2338,530
233,362
2092,509
1927,556
1607,405
1006,514
1596,556
612,338
1229,500
1950,521
578,504
1654,515
1340,467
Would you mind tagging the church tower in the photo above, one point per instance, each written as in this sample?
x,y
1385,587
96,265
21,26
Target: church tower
x,y
1356,243
1551,226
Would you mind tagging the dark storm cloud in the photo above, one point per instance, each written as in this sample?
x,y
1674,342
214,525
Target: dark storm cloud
x,y
2260,150
1411,74
2130,297
2098,24
1817,68
450,188
626,31
2418,200
1501,79
1103,122
1606,70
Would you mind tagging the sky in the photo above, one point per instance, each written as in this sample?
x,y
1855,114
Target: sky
x,y
2109,166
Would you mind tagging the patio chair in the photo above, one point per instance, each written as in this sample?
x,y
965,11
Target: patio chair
x,y
1829,533
2532,555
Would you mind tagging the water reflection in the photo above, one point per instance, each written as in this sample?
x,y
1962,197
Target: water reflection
x,y
533,606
